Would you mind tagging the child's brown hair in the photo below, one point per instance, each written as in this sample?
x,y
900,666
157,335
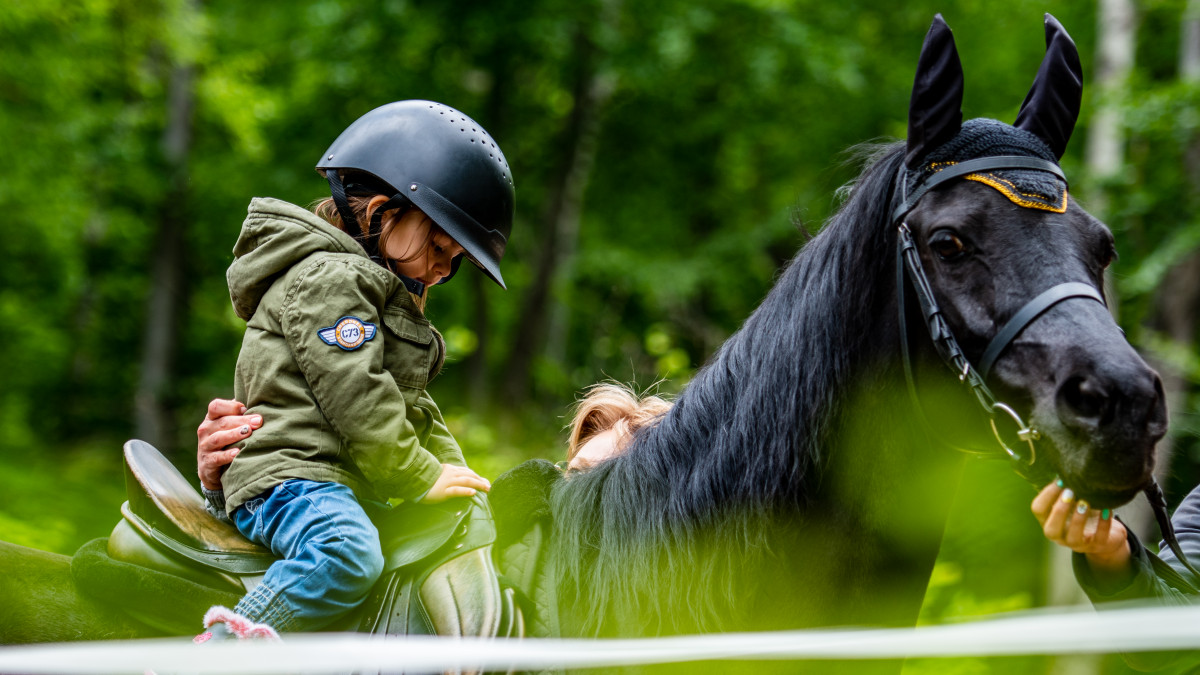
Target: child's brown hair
x,y
360,206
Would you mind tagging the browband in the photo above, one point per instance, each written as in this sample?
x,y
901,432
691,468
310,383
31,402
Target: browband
x,y
970,166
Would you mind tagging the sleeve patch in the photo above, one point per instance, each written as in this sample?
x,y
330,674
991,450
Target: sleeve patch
x,y
349,333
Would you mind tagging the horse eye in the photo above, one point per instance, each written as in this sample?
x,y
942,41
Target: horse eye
x,y
947,245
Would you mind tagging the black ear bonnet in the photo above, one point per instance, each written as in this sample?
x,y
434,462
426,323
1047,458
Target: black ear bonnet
x,y
982,137
937,137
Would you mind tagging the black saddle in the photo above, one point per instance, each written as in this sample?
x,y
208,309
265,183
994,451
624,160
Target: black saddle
x,y
439,577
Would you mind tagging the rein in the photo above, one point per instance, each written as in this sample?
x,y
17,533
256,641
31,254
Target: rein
x,y
908,265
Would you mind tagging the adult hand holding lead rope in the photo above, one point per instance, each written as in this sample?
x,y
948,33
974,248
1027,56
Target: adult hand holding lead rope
x,y
1096,533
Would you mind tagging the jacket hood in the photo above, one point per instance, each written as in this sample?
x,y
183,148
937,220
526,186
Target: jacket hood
x,y
275,236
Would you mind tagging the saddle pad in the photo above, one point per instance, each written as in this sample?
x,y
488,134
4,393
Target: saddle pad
x,y
166,602
521,501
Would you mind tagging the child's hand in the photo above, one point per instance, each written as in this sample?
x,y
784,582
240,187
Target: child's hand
x,y
455,481
1096,534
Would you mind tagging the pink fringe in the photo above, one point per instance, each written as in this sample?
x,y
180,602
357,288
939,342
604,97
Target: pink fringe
x,y
239,625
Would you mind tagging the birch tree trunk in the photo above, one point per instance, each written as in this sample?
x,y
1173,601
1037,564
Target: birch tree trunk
x,y
1115,47
1105,158
1177,301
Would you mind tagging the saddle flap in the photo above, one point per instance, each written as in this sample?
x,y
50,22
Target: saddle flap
x,y
411,533
161,496
462,596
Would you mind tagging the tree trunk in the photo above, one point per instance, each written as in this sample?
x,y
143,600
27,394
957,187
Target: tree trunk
x,y
561,229
571,212
160,335
475,366
1115,47
1177,302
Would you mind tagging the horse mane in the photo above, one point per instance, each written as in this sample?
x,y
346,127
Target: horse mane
x,y
664,529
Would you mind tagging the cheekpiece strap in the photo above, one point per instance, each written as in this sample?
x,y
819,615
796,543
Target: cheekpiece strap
x,y
970,166
943,338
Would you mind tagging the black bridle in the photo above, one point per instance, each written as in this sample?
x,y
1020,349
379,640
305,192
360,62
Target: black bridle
x,y
908,266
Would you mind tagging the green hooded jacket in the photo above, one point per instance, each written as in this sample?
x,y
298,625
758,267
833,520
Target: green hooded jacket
x,y
336,358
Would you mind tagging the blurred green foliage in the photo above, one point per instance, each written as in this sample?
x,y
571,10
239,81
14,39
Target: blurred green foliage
x,y
718,147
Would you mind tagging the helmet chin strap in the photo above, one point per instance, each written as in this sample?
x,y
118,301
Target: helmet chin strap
x,y
371,242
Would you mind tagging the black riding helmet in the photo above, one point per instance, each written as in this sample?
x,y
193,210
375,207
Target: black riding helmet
x,y
436,158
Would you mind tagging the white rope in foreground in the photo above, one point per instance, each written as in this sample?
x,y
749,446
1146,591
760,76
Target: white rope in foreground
x,y
1070,632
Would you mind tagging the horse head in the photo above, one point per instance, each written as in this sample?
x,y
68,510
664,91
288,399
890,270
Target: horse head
x,y
1016,267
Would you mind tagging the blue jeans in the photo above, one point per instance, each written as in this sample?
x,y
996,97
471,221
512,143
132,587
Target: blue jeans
x,y
329,550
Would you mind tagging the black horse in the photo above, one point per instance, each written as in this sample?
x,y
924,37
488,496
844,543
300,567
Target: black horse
x,y
797,481
794,483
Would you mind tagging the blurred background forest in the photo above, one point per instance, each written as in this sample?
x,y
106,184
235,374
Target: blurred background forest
x,y
669,158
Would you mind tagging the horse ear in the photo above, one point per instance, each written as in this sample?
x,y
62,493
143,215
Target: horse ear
x,y
935,111
1052,105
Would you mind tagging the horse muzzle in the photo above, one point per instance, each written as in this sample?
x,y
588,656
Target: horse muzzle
x,y
1109,415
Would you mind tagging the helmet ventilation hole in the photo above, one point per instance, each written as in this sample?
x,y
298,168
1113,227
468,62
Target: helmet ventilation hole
x,y
463,123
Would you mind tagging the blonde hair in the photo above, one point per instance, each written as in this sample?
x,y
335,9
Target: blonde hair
x,y
327,210
608,405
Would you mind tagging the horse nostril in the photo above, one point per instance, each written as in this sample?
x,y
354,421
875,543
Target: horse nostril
x,y
1085,399
1157,422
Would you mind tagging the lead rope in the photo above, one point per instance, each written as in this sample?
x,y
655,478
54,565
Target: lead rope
x,y
1158,504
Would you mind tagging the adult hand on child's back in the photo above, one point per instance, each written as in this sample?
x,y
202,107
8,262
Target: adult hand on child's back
x,y
225,424
455,481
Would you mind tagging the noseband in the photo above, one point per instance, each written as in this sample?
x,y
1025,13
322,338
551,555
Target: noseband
x,y
908,264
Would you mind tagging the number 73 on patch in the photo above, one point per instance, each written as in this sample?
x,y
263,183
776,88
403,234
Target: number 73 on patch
x,y
349,333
